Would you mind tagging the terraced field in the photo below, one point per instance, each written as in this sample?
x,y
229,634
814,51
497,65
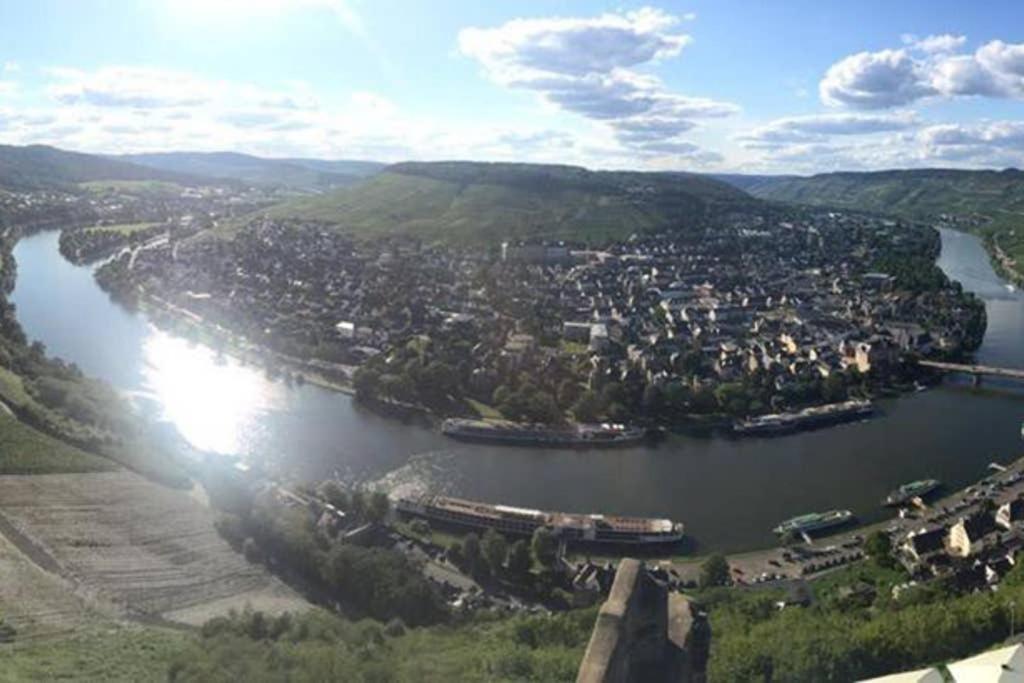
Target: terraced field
x,y
150,552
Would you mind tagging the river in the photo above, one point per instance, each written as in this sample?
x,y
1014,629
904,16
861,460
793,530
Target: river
x,y
728,492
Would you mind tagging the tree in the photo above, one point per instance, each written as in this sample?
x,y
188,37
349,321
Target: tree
x,y
357,504
471,550
366,382
653,400
587,407
714,572
332,492
544,547
377,508
878,546
456,555
495,549
519,559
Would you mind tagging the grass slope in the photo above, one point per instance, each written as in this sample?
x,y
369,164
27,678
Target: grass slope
x,y
295,173
113,654
471,201
24,450
39,166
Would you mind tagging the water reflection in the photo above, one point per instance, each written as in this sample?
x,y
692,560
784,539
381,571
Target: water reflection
x,y
215,403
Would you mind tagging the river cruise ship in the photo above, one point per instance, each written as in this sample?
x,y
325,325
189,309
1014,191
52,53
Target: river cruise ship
x,y
521,434
569,527
816,416
816,521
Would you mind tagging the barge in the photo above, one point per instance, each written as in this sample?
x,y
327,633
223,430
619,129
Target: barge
x,y
915,489
815,521
816,416
568,527
521,434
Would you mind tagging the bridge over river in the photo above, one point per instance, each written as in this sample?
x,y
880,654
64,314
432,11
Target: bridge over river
x,y
978,371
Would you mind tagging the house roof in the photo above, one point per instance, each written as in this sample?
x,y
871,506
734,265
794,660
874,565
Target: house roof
x,y
978,524
927,541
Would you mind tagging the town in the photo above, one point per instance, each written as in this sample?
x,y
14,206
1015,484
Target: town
x,y
753,314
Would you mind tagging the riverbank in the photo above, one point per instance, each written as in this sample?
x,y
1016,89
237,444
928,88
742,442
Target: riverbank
x,y
277,365
803,560
1002,262
337,377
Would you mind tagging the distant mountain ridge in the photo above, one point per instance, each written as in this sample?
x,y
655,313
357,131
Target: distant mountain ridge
x,y
480,201
296,173
916,193
987,203
34,167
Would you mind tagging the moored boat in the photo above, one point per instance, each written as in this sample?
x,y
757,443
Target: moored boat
x,y
522,434
569,527
816,416
814,521
915,489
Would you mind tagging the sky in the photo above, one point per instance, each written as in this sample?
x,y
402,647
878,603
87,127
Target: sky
x,y
793,86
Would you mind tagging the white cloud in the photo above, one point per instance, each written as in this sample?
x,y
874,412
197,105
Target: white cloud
x,y
984,144
927,67
525,49
130,87
92,111
988,143
10,67
936,44
875,80
586,66
818,127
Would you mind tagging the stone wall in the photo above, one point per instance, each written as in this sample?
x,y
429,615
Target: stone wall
x,y
640,633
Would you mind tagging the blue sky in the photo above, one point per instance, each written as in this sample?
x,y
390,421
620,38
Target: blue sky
x,y
719,85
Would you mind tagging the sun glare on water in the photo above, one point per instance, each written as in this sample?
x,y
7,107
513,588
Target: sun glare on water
x,y
215,404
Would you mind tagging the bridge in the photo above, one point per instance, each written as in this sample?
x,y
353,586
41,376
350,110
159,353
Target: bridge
x,y
978,371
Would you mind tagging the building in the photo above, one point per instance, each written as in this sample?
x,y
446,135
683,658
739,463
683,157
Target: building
x,y
923,544
599,340
577,332
1010,513
967,536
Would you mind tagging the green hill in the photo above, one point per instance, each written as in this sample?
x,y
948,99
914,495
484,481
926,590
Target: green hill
x,y
488,201
306,174
39,166
988,203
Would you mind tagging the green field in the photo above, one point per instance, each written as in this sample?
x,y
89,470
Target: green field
x,y
139,187
12,389
113,654
23,450
476,202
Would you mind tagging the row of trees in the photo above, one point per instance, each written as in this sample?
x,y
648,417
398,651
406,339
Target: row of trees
x,y
359,505
493,555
